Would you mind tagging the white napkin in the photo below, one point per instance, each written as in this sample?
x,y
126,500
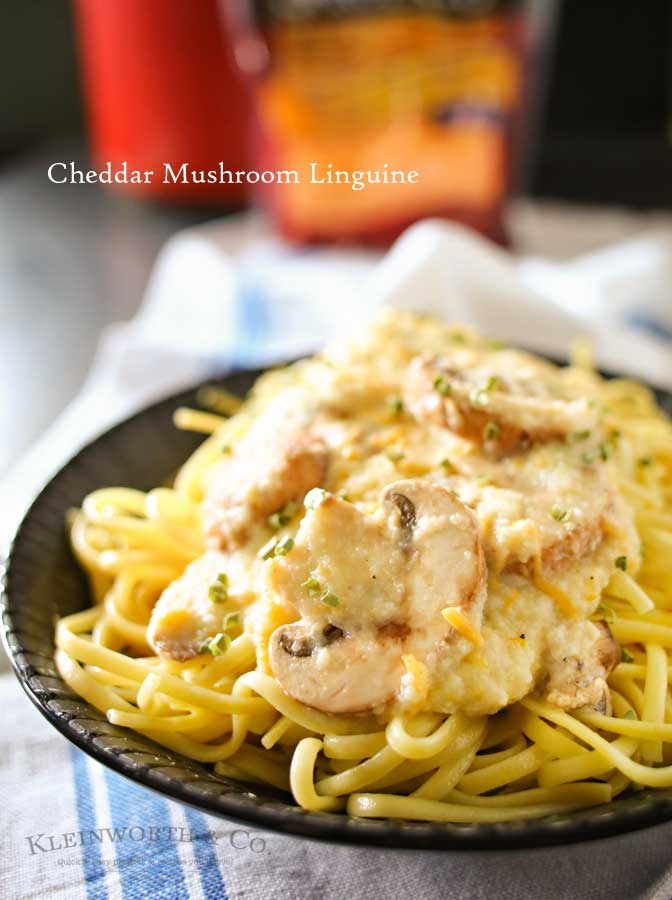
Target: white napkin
x,y
210,305
208,308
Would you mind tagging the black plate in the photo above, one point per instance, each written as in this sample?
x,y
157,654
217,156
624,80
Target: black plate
x,y
41,581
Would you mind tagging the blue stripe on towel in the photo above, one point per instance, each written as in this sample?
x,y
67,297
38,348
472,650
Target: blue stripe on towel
x,y
94,871
253,320
205,854
149,868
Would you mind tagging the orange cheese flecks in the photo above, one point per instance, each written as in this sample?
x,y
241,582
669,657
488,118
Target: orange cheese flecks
x,y
460,623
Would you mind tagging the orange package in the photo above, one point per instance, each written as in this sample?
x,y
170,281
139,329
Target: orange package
x,y
371,115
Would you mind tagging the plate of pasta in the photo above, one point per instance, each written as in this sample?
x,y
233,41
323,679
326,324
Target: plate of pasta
x,y
414,590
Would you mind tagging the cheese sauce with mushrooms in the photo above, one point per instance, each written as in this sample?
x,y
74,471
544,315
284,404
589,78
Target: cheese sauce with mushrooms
x,y
415,519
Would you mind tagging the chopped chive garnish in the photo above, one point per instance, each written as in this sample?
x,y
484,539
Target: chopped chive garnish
x,y
482,480
559,514
491,383
315,498
626,657
218,591
395,456
345,496
629,714
216,595
447,465
457,338
283,517
644,461
578,436
330,599
622,563
226,448
603,452
442,386
283,548
496,344
231,620
395,405
219,644
312,585
491,431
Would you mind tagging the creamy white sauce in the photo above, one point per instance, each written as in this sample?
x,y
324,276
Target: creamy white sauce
x,y
514,500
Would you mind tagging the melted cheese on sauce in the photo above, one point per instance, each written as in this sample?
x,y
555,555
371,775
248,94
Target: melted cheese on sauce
x,y
372,443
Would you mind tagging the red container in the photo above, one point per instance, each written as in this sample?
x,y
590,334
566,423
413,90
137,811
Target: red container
x,y
161,87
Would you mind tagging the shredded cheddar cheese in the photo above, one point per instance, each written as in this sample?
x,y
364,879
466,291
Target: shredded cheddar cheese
x,y
562,599
460,623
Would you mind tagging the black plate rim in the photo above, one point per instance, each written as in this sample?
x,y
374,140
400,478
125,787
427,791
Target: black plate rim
x,y
622,816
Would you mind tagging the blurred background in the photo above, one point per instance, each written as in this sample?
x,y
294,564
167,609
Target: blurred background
x,y
544,125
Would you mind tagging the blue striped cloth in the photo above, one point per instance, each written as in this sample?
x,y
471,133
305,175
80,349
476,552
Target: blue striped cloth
x,y
150,848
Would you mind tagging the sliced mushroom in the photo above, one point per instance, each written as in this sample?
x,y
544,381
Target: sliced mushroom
x,y
347,674
349,555
445,558
503,402
279,460
186,613
581,656
576,543
544,507
382,582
